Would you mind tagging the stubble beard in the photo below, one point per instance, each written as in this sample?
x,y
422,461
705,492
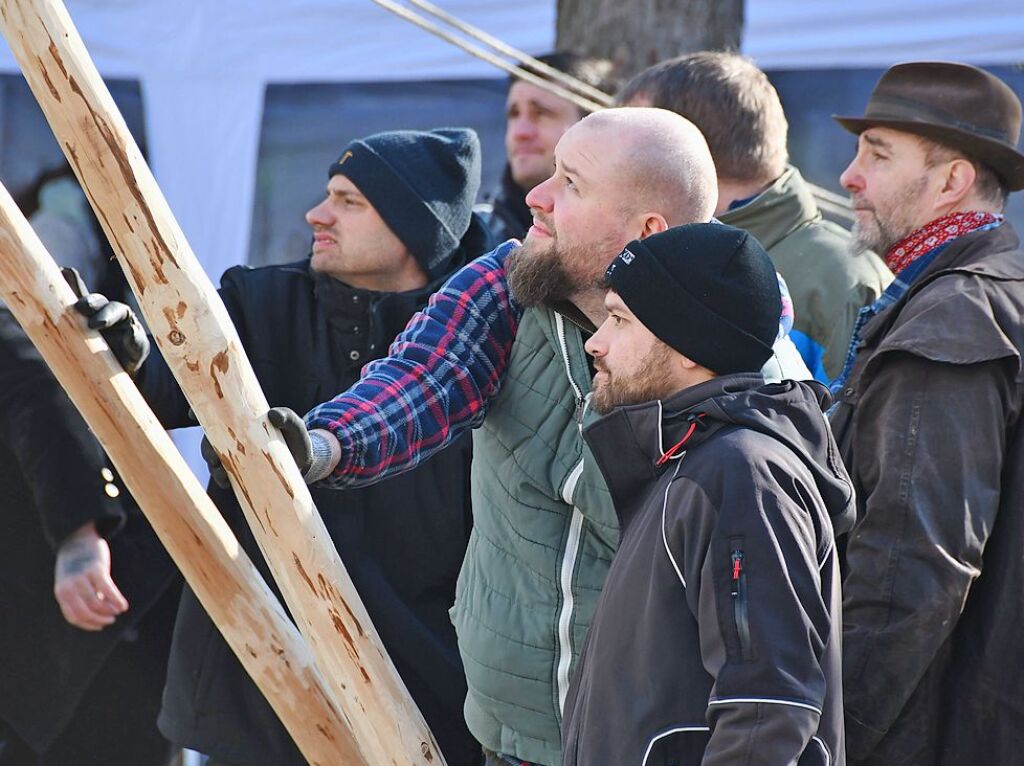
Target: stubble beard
x,y
883,230
646,384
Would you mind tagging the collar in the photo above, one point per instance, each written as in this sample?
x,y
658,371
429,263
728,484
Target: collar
x,y
776,212
935,234
630,443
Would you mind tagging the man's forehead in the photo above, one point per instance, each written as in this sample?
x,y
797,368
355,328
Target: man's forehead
x,y
525,92
613,302
887,138
340,184
586,148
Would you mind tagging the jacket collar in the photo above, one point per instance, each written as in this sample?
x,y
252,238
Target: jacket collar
x,y
771,216
629,442
990,252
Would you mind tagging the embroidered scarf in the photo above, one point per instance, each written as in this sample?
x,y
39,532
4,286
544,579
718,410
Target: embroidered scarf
x,y
932,235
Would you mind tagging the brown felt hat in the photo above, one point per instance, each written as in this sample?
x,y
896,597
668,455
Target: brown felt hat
x,y
957,105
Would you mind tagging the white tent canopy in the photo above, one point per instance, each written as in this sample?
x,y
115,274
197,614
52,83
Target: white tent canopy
x,y
203,67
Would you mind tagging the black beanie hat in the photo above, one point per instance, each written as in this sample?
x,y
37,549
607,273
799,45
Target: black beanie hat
x,y
422,183
707,290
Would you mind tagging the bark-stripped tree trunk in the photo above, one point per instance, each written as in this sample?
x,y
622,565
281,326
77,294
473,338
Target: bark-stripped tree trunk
x,y
190,527
638,33
195,335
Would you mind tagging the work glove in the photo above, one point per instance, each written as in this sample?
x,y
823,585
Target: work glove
x,y
292,429
116,322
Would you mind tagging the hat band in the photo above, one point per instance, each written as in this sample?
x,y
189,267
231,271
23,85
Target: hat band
x,y
907,110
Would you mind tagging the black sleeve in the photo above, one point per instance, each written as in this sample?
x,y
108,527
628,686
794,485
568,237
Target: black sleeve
x,y
157,383
57,456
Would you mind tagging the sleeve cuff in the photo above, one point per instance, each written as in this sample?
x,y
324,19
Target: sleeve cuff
x,y
326,455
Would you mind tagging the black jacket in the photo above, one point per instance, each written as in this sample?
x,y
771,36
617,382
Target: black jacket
x,y
929,425
506,212
717,636
402,540
55,477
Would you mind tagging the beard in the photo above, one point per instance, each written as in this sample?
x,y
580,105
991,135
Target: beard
x,y
892,219
537,276
645,383
547,273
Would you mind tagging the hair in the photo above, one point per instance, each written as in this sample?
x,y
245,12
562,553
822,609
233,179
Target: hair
x,y
595,72
730,100
988,184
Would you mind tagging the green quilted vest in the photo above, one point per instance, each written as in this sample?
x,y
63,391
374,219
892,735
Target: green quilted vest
x,y
543,536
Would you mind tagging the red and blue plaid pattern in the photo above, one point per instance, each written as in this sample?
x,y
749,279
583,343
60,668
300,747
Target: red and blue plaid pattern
x,y
440,375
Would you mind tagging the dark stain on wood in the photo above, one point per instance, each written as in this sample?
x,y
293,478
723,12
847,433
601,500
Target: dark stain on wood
x,y
302,572
280,476
49,82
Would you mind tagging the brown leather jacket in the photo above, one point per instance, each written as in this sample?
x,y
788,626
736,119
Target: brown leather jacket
x,y
934,567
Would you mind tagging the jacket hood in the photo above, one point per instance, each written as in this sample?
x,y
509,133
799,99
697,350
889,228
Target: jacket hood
x,y
632,442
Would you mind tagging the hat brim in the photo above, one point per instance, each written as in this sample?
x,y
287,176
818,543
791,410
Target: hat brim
x,y
1002,158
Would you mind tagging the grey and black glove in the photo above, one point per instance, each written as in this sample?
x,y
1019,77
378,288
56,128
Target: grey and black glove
x,y
116,322
310,461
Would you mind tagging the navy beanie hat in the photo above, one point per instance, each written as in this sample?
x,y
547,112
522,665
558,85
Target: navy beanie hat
x,y
422,183
707,290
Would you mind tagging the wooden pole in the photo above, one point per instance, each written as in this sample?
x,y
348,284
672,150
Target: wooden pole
x,y
190,527
195,335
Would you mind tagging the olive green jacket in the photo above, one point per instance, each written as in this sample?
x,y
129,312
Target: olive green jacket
x,y
828,284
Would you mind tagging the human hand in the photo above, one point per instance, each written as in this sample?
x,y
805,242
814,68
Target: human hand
x,y
293,431
85,592
116,322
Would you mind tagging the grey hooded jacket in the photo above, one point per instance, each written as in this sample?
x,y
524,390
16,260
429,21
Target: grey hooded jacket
x,y
717,636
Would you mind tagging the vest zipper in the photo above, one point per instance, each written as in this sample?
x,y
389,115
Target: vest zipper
x,y
572,543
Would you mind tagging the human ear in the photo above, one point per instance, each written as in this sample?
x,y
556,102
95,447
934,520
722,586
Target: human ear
x,y
652,223
958,182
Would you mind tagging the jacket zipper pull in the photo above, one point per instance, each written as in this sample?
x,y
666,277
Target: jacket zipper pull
x,y
737,570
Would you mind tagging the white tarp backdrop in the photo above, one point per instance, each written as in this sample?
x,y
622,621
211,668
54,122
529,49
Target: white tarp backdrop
x,y
203,66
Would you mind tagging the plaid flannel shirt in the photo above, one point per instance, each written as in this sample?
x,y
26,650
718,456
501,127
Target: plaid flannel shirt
x,y
437,381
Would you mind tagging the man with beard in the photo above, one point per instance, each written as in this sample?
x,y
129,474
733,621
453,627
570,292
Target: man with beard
x,y
500,349
534,121
717,633
394,222
928,424
739,112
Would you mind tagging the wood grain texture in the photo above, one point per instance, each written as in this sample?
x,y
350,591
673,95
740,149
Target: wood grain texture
x,y
202,348
189,525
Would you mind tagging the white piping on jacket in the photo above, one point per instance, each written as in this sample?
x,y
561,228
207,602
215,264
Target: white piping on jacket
x,y
572,543
765,700
664,734
664,536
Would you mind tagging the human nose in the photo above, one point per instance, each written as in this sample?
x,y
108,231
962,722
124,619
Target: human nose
x,y
852,179
539,197
522,128
319,215
595,345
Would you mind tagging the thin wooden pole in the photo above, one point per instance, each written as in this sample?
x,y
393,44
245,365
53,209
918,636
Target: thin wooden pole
x,y
202,349
582,102
555,75
189,525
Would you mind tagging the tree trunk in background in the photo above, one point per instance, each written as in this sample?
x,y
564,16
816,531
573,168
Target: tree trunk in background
x,y
638,33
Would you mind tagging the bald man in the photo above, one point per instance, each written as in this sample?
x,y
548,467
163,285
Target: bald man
x,y
500,349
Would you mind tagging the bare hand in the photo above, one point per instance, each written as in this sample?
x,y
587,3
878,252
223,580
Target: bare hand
x,y
87,595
